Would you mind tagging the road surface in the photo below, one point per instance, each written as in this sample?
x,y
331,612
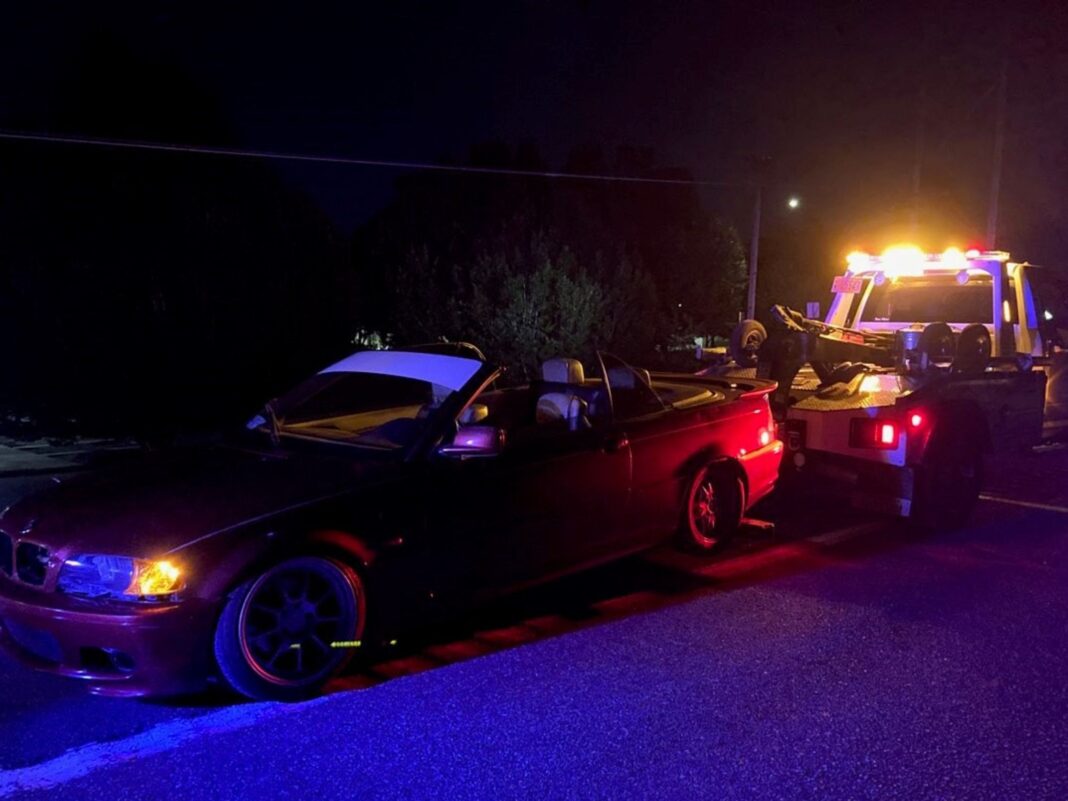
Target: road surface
x,y
842,658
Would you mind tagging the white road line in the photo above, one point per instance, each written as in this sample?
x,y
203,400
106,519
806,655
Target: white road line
x,y
86,759
1046,507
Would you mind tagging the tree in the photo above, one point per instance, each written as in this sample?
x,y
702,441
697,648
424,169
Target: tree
x,y
525,267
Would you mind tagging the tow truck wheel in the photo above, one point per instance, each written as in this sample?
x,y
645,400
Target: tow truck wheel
x,y
948,483
746,339
713,509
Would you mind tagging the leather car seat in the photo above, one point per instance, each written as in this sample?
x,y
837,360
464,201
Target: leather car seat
x,y
552,407
562,401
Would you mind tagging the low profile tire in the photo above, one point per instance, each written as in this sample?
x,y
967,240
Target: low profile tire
x,y
948,483
274,637
746,339
712,510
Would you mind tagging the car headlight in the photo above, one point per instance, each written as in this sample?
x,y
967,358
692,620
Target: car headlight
x,y
121,577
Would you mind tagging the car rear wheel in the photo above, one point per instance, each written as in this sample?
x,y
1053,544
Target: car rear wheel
x,y
713,509
284,634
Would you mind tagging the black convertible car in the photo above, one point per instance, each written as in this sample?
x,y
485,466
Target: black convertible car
x,y
390,485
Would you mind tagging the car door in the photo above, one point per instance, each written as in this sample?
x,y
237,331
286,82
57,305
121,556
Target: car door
x,y
660,444
544,505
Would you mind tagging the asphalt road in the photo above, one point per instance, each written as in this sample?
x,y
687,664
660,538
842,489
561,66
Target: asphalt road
x,y
841,658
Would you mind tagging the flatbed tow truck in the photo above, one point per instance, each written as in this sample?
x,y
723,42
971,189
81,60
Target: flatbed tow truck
x,y
924,365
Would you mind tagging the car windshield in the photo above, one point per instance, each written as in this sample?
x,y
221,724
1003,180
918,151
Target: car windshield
x,y
378,399
930,300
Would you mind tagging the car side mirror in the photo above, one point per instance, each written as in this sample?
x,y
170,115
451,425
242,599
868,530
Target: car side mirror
x,y
472,441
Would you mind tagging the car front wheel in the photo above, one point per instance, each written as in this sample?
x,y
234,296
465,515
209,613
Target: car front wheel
x,y
285,633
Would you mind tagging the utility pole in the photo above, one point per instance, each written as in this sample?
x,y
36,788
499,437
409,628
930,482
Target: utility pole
x,y
999,146
761,163
917,163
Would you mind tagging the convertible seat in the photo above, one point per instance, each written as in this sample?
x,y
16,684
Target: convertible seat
x,y
561,399
624,378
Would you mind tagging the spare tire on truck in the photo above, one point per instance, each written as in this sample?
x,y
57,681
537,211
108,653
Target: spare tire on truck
x,y
973,350
937,344
746,339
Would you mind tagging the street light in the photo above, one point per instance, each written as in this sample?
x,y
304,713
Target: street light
x,y
794,202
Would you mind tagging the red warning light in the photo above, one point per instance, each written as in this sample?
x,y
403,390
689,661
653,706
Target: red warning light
x,y
916,420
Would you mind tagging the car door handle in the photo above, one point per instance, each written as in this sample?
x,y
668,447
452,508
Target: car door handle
x,y
615,442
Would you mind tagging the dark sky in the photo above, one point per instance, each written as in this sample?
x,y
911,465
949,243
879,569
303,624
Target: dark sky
x,y
829,90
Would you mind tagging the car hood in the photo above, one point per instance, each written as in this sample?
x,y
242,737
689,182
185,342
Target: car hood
x,y
158,502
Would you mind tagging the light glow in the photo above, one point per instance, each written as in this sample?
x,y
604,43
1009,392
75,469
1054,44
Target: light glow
x,y
909,260
887,433
953,257
916,420
903,260
1006,311
156,578
765,436
858,259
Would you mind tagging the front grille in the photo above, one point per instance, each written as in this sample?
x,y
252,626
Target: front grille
x,y
7,554
31,562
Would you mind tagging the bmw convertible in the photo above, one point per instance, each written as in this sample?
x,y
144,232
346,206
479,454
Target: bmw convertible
x,y
387,488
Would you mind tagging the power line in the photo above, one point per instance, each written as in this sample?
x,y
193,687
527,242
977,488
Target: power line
x,y
122,144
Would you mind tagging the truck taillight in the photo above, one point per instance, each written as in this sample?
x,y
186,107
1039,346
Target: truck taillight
x,y
887,434
867,433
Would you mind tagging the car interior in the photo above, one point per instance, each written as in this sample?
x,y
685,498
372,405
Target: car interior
x,y
564,399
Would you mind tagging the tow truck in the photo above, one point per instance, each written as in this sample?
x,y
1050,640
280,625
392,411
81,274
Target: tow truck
x,y
925,364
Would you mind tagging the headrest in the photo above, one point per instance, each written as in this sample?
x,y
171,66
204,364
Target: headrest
x,y
627,378
474,414
563,371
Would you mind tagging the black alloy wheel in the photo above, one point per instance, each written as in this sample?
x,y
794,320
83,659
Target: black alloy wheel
x,y
713,509
284,634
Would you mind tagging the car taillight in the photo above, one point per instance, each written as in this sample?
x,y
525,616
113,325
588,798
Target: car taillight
x,y
868,433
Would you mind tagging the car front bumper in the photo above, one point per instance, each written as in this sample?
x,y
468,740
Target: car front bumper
x,y
116,650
